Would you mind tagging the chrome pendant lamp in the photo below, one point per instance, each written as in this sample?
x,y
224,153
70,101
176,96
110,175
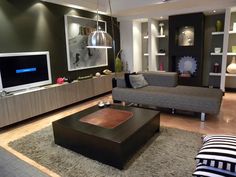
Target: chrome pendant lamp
x,y
99,38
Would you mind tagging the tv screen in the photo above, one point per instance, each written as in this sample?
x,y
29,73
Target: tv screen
x,y
24,70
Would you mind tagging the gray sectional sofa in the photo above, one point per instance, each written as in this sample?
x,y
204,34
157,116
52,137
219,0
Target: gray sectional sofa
x,y
163,91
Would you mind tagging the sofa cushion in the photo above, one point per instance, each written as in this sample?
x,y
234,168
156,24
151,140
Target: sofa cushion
x,y
127,80
219,151
207,171
137,81
163,79
223,138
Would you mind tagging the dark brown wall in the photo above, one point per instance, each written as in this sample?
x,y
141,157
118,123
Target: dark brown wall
x,y
195,20
27,26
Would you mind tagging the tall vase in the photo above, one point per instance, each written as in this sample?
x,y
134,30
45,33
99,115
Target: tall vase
x,y
118,65
219,26
161,31
232,66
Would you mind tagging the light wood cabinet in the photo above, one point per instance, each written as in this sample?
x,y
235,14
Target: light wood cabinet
x,y
16,108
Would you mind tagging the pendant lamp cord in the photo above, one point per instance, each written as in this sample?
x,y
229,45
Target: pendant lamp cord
x,y
97,14
113,33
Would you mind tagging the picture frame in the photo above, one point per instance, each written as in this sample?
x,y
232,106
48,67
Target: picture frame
x,y
79,57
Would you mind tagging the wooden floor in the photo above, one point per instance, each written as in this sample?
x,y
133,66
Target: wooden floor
x,y
224,122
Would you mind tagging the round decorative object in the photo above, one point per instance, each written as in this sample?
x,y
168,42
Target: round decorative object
x,y
107,103
187,64
60,80
97,74
219,26
3,93
232,67
107,71
101,104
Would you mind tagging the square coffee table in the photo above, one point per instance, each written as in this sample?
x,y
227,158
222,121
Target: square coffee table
x,y
109,135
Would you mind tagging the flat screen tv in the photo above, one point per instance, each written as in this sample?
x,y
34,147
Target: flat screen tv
x,y
19,71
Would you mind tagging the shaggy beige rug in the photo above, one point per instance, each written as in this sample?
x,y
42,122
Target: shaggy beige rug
x,y
168,154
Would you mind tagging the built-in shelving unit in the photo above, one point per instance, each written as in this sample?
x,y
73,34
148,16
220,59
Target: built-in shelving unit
x,y
154,46
216,58
225,40
228,80
162,46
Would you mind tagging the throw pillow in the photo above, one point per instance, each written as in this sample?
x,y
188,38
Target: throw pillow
x,y
203,170
137,81
127,81
218,151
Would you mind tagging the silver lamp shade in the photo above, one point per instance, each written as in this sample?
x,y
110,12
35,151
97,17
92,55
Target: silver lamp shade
x,y
99,39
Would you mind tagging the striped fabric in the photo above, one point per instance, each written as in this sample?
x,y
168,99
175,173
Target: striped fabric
x,y
207,171
218,151
219,137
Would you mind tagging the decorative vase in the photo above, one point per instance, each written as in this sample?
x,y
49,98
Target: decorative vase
x,y
161,67
161,29
234,49
216,68
118,64
232,67
219,26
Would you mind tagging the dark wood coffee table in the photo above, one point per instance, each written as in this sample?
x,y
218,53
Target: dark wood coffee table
x,y
112,145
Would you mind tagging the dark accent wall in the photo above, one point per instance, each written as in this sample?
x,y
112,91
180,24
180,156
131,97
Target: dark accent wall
x,y
27,26
176,22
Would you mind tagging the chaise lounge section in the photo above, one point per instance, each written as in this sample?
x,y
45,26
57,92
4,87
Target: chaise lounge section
x,y
163,91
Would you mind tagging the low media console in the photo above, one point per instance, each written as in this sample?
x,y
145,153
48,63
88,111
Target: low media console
x,y
19,107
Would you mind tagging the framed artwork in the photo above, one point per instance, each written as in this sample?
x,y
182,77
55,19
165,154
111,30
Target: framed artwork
x,y
80,57
186,36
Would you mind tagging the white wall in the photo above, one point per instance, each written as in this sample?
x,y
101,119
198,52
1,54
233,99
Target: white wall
x,y
137,46
131,44
126,40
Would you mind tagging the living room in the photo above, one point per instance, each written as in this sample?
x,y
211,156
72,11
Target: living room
x,y
185,52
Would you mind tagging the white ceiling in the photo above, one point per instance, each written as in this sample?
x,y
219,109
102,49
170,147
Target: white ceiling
x,y
134,9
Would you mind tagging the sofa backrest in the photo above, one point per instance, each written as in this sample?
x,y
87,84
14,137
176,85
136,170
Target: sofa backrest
x,y
165,79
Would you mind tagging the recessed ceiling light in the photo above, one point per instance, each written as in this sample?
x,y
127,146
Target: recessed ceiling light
x,y
161,17
214,11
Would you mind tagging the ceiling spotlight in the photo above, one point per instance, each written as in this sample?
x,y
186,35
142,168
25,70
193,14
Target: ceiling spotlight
x,y
214,11
161,17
